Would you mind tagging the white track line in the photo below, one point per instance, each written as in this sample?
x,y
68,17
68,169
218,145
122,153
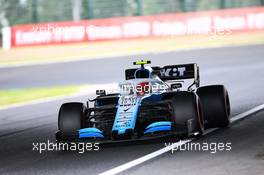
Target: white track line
x,y
159,152
247,113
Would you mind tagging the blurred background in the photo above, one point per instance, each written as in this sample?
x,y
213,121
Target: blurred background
x,y
34,11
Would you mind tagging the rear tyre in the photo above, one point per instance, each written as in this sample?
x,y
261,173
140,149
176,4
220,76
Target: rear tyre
x,y
71,119
186,106
215,105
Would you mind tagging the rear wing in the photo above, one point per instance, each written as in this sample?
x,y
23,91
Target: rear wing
x,y
173,72
179,72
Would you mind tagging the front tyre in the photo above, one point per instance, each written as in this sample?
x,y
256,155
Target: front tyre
x,y
71,119
215,105
186,107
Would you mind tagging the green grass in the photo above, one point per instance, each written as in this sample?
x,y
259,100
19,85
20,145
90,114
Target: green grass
x,y
13,96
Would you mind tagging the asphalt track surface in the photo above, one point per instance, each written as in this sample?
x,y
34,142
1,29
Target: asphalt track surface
x,y
241,69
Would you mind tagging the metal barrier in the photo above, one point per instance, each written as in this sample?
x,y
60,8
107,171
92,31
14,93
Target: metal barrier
x,y
34,11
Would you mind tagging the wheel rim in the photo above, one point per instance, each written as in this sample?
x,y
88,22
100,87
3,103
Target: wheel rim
x,y
227,103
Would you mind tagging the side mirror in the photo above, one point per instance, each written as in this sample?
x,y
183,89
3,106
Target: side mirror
x,y
100,92
176,86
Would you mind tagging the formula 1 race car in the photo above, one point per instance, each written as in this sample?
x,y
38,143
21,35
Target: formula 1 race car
x,y
151,102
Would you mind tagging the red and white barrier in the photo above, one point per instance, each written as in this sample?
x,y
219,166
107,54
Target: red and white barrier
x,y
6,38
194,23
